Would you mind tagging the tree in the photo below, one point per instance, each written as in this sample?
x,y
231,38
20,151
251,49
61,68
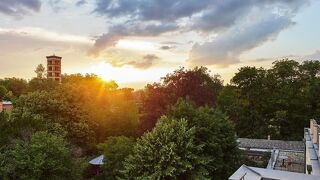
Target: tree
x,y
115,150
40,71
42,84
197,84
167,152
4,126
87,108
214,133
40,111
3,92
15,85
277,101
43,157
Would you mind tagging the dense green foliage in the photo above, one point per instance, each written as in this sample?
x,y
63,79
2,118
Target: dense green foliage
x,y
215,133
277,102
197,84
56,125
83,110
15,86
3,92
167,152
115,150
44,156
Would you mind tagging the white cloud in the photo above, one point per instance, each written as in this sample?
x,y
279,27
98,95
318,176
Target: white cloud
x,y
42,34
237,25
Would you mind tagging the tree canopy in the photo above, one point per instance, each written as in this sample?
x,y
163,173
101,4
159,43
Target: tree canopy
x,y
167,152
115,151
278,101
44,156
197,84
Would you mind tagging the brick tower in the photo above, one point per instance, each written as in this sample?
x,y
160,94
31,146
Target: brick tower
x,y
54,67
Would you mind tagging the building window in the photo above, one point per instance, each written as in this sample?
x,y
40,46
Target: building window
x,y
57,79
50,68
50,74
49,62
57,74
57,68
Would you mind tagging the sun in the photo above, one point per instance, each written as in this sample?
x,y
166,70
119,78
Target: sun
x,y
126,74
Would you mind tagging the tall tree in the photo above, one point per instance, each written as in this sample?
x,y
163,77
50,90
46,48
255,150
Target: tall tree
x,y
3,92
167,152
214,133
15,85
277,102
40,71
197,84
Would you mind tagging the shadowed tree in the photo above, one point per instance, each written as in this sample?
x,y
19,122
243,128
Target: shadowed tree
x,y
197,84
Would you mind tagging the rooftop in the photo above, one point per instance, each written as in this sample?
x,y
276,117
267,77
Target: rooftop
x,y
312,148
6,102
253,173
97,161
271,144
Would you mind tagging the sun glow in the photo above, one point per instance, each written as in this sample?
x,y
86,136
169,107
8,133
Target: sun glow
x,y
126,74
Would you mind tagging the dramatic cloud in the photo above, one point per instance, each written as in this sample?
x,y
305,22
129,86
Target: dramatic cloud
x,y
55,5
307,57
18,8
118,32
81,2
146,62
226,48
119,58
171,43
167,47
237,26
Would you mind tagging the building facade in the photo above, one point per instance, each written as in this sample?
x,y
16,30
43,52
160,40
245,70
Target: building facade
x,y
54,67
5,106
290,160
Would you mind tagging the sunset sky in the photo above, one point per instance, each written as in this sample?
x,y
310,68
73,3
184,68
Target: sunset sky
x,y
135,42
